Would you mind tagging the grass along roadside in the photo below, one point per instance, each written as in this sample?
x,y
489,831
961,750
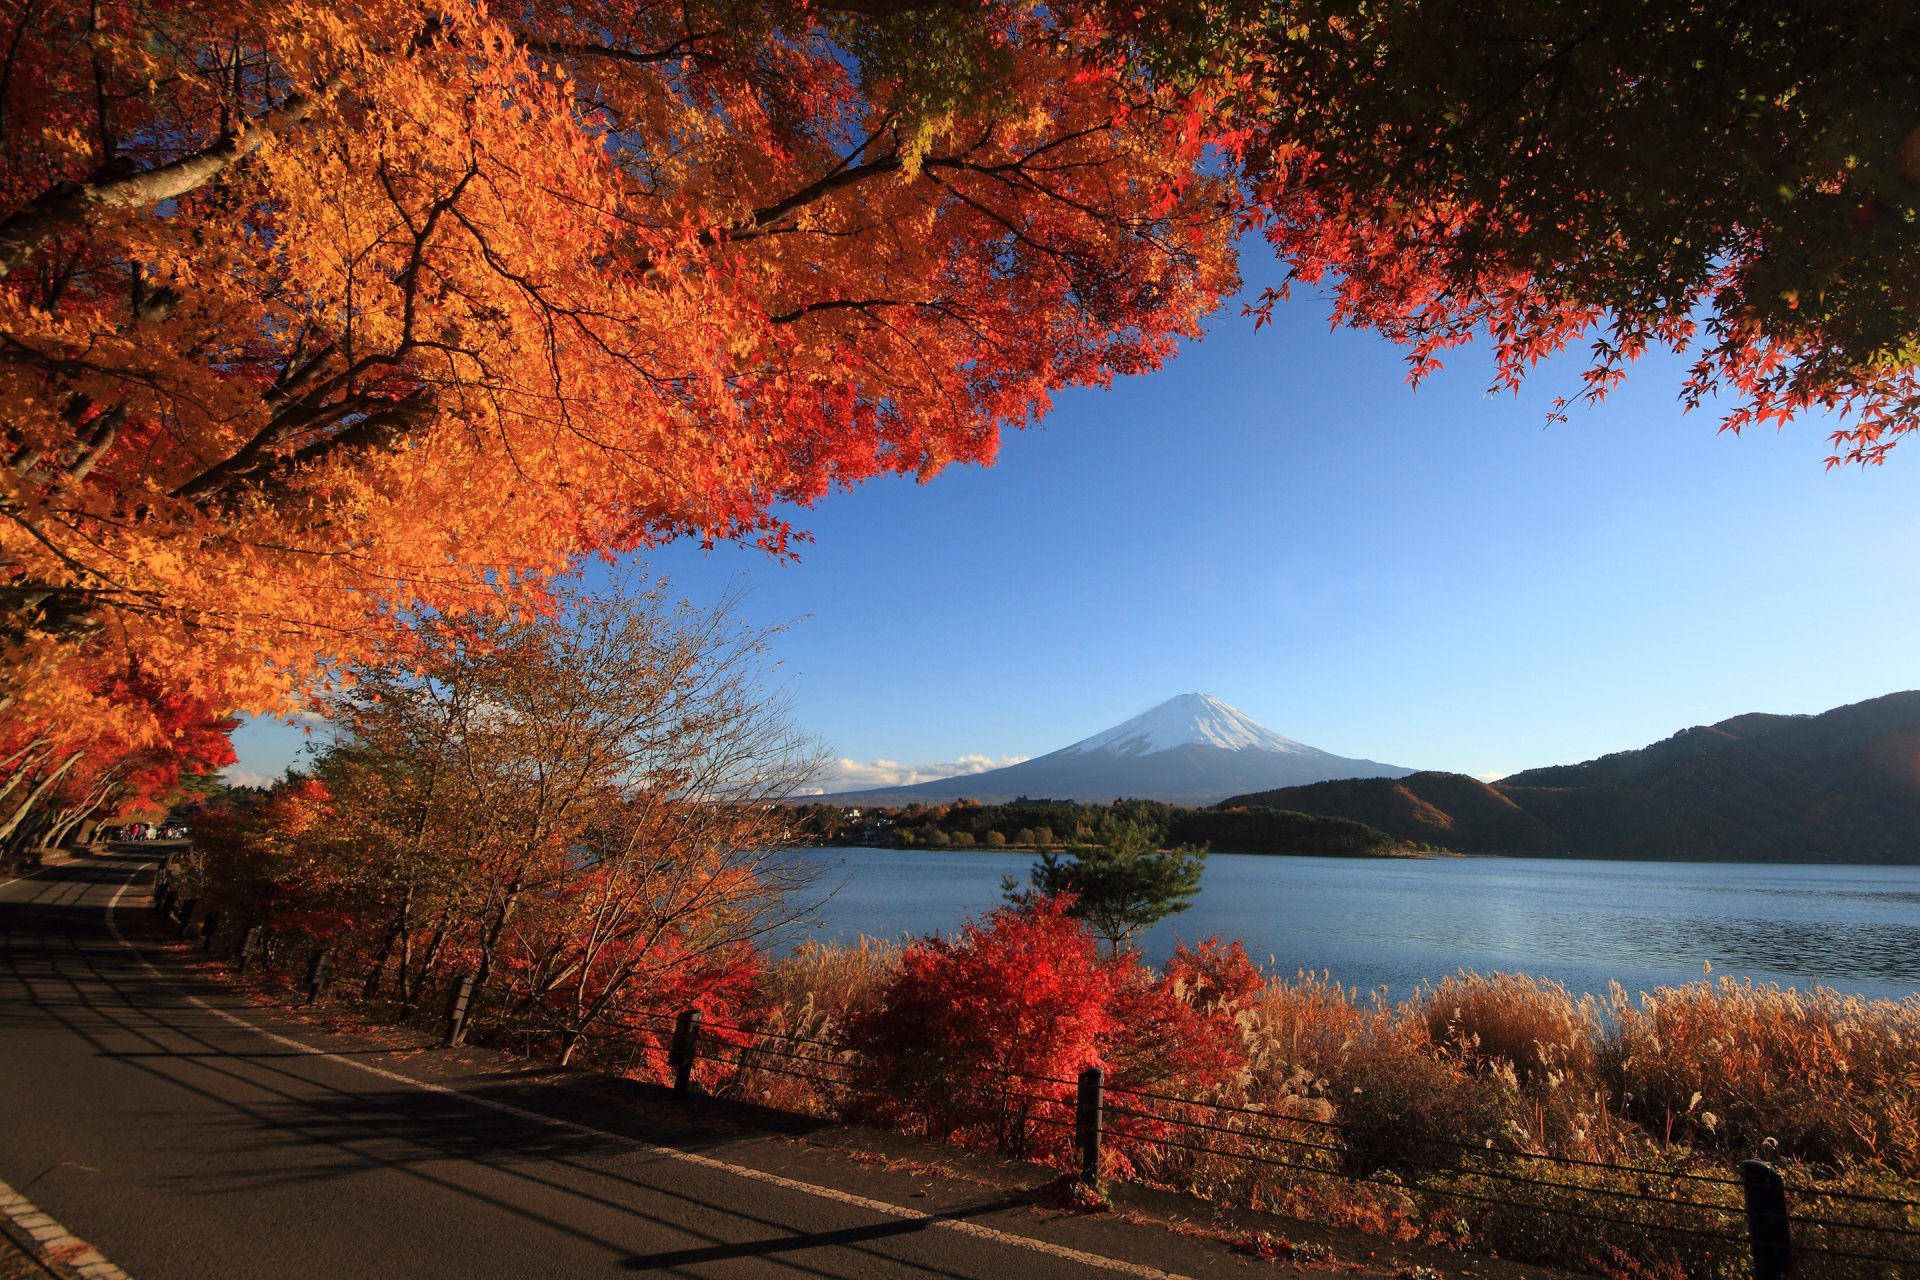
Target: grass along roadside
x,y
949,1170
17,1264
1488,1113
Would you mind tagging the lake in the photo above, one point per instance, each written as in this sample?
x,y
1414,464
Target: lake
x,y
1394,922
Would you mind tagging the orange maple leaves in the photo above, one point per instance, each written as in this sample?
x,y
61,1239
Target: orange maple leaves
x,y
319,318
1728,183
314,319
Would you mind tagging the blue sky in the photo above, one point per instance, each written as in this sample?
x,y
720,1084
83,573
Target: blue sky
x,y
1434,578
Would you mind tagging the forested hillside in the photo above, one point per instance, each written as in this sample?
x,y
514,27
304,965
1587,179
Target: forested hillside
x,y
1842,786
1042,824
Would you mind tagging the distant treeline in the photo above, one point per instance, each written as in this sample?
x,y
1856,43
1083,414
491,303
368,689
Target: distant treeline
x,y
1046,824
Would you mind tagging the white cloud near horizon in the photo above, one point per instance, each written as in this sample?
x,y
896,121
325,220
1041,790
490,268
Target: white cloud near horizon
x,y
235,776
859,775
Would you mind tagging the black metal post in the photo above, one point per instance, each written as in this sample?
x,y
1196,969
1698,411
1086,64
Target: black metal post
x,y
457,1011
209,927
1767,1227
1087,1121
186,916
248,946
319,969
684,1049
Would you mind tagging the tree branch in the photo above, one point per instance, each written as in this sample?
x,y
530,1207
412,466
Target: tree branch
x,y
67,208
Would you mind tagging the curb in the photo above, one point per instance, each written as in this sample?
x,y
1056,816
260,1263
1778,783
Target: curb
x,y
51,1245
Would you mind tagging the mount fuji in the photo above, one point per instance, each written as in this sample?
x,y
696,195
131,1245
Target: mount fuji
x,y
1193,749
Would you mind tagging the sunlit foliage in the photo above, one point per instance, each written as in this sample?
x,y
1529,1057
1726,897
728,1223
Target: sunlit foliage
x,y
576,812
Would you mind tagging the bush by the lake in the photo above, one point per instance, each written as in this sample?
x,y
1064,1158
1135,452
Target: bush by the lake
x,y
1418,1118
1493,1112
1815,1076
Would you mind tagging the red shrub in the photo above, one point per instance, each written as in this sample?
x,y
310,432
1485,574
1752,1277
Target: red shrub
x,y
981,1038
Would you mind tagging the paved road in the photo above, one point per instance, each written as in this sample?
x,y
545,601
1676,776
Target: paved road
x,y
187,1134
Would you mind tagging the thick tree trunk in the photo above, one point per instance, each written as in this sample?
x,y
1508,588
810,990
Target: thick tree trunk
x,y
80,816
62,826
395,931
490,946
29,835
26,805
22,763
428,960
425,970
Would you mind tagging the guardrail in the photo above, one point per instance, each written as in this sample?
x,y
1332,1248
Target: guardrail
x,y
1783,1229
1755,1213
1752,1214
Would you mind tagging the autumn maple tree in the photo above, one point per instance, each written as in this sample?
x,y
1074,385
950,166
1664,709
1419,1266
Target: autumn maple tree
x,y
578,811
984,1033
318,320
1736,183
61,780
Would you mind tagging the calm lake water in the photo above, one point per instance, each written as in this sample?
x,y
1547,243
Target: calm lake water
x,y
1395,922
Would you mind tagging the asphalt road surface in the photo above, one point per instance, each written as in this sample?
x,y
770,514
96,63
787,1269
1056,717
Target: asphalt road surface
x,y
187,1133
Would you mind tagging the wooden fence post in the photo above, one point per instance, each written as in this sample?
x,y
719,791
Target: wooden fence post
x,y
1767,1225
685,1049
1087,1121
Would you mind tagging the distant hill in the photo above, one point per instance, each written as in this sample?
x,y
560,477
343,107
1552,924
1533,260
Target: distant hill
x,y
1192,749
1450,810
1842,786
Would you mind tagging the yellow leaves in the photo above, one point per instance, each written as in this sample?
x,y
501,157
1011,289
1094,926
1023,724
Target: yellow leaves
x,y
158,564
918,141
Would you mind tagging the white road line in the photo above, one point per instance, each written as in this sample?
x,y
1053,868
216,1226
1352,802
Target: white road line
x,y
933,1220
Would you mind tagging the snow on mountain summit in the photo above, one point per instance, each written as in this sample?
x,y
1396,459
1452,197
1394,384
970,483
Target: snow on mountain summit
x,y
1192,750
1192,719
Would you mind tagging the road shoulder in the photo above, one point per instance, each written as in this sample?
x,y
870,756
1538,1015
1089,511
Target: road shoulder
x,y
1154,1231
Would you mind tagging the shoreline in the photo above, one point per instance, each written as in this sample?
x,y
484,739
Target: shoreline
x,y
1413,854
1406,855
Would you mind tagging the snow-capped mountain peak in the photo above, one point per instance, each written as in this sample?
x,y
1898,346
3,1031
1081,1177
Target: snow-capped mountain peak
x,y
1192,749
1192,719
